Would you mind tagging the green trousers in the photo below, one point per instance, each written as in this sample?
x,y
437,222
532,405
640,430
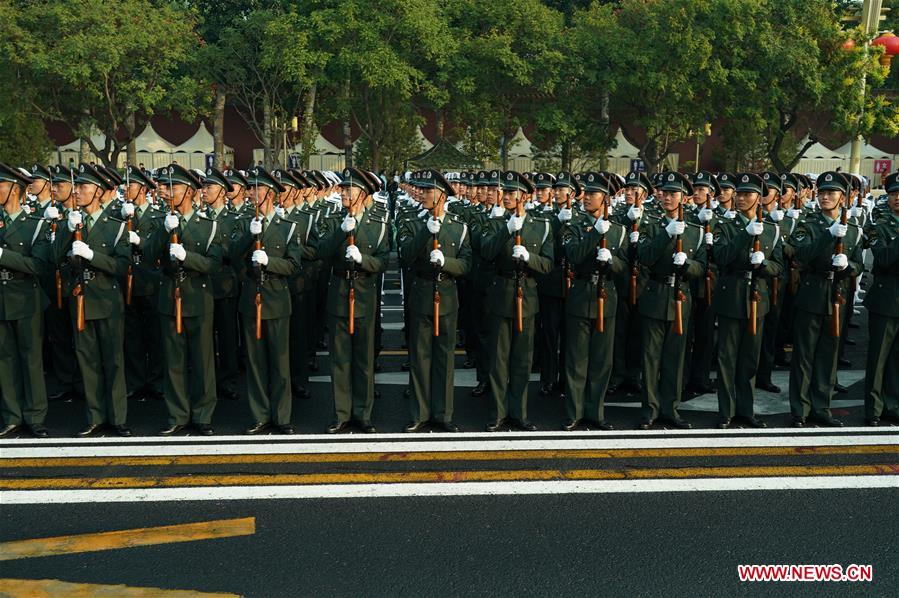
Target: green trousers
x,y
268,369
551,339
813,368
738,360
101,358
702,336
300,332
588,367
628,353
227,350
22,387
61,346
882,372
432,367
190,394
352,368
143,347
663,367
510,367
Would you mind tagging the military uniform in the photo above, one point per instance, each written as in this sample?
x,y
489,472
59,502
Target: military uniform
x,y
24,258
882,302
813,368
510,367
739,278
352,355
432,359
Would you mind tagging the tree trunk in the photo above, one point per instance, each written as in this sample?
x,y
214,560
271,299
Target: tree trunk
x,y
131,154
218,128
441,124
347,144
504,151
309,133
566,156
267,136
84,151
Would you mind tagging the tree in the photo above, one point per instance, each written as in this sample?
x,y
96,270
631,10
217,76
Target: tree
x,y
98,65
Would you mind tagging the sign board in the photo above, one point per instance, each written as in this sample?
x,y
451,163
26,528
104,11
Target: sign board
x,y
882,166
210,160
638,165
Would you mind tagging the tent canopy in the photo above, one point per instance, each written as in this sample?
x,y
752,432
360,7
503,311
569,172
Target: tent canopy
x,y
202,142
444,155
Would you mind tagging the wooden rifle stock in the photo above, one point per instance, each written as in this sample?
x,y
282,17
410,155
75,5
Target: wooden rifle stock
x,y
258,299
708,264
567,274
78,292
435,245
179,323
601,294
635,267
837,300
351,325
129,278
678,295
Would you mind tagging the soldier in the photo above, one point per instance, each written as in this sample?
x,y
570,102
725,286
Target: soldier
x,y
270,247
143,329
188,248
596,249
882,301
99,245
828,248
24,259
742,298
665,303
438,250
521,245
355,245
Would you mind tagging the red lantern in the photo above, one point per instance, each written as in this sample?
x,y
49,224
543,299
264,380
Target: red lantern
x,y
890,44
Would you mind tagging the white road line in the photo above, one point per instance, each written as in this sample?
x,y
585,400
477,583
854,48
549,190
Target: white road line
x,y
598,443
29,497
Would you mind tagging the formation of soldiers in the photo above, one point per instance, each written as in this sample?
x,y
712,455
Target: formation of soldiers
x,y
129,285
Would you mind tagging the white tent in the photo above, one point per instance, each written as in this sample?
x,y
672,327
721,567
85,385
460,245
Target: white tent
x,y
623,147
867,151
818,151
520,146
192,153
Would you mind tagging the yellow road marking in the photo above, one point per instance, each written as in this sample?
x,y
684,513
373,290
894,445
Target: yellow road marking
x,y
128,538
440,476
445,456
31,588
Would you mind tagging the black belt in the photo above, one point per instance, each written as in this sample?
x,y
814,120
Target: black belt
x,y
666,280
7,275
182,275
431,276
745,274
513,273
349,274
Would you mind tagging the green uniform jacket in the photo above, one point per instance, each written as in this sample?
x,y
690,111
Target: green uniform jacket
x,y
814,247
656,252
883,294
580,248
374,245
310,267
25,259
281,241
415,245
145,270
226,280
496,246
199,236
102,288
733,246
551,283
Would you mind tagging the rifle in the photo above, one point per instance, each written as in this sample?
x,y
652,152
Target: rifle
x,y
351,240
519,272
179,324
129,278
78,264
258,271
435,245
679,296
601,294
567,274
837,299
754,295
708,264
58,279
635,266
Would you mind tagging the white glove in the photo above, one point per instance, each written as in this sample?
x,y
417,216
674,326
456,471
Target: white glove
x,y
755,228
840,261
634,213
81,249
603,255
680,258
279,211
756,258
260,257
714,203
838,230
793,213
675,228
348,224
868,203
437,257
171,222
127,210
776,215
520,253
515,223
635,236
177,251
564,215
74,220
602,226
133,238
705,215
854,211
256,226
51,213
730,214
528,206
708,238
353,253
497,212
433,226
